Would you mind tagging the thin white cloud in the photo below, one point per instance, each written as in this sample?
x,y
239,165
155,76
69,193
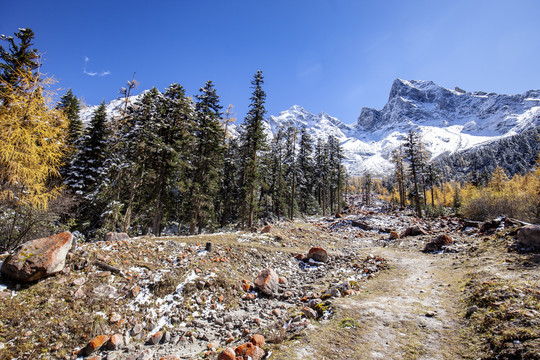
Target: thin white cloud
x,y
92,73
313,70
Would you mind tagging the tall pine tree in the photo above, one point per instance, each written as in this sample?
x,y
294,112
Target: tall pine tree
x,y
87,169
69,104
252,141
413,153
305,172
208,157
19,62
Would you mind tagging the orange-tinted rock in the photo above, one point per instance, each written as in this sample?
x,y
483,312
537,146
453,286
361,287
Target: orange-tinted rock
x,y
135,290
438,243
414,231
254,353
267,282
227,354
95,344
443,239
116,342
317,254
242,349
266,229
257,340
394,235
38,258
156,338
246,286
249,297
309,312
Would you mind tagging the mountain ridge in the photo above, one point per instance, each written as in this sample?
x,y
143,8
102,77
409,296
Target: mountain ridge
x,y
448,120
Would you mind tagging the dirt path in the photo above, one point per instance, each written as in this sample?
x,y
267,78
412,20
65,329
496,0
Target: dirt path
x,y
408,312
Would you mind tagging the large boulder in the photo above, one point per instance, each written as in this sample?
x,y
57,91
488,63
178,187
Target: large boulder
x,y
317,254
529,236
437,243
267,282
414,231
38,258
249,351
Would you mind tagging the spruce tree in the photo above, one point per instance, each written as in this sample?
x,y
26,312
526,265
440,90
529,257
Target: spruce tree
x,y
277,174
337,173
69,104
230,189
135,158
413,153
305,172
291,166
169,148
252,141
322,173
87,169
19,62
208,156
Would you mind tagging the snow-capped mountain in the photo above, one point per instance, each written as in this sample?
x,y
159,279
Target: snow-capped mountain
x,y
448,120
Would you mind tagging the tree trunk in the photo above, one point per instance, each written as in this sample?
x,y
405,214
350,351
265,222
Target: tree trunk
x,y
416,192
158,216
291,204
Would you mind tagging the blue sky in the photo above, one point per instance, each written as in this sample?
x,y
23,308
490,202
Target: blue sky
x,y
325,55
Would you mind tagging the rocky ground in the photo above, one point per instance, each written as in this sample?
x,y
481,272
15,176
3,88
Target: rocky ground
x,y
377,296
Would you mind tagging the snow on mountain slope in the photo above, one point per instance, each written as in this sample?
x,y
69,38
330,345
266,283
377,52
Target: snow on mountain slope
x,y
448,120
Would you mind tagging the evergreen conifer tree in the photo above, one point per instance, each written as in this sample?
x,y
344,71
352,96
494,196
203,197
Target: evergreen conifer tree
x,y
321,172
87,169
413,152
19,62
305,171
252,141
208,156
277,174
69,104
291,166
170,145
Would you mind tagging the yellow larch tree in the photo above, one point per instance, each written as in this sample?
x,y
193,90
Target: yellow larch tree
x,y
32,141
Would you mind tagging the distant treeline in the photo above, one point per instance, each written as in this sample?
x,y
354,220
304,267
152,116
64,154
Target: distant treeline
x,y
515,154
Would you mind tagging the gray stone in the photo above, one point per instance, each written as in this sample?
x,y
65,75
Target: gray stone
x,y
136,330
114,236
529,236
471,310
335,293
309,312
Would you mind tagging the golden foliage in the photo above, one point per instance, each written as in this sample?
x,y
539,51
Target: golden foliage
x,y
517,197
32,142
